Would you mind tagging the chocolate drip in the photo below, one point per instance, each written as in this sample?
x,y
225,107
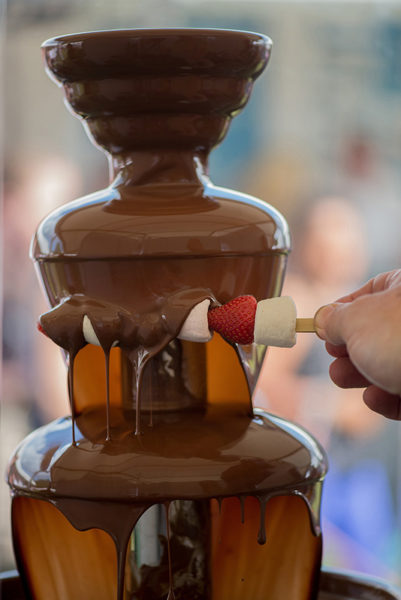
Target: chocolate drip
x,y
107,366
140,335
138,360
170,571
251,358
262,527
71,360
118,522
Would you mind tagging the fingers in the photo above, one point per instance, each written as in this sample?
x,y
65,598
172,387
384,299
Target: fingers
x,y
339,322
369,288
345,375
363,332
384,403
336,351
376,284
334,322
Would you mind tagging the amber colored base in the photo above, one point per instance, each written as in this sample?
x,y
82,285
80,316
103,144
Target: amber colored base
x,y
225,380
286,566
57,559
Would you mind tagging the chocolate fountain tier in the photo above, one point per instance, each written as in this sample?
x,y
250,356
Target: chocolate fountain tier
x,y
216,453
158,101
167,220
149,88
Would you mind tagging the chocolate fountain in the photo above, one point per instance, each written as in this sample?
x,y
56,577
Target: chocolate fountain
x,y
164,482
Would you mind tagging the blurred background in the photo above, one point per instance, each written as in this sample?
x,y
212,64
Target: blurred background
x,y
320,140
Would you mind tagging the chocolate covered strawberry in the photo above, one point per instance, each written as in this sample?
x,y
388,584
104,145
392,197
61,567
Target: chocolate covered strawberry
x,y
235,321
40,328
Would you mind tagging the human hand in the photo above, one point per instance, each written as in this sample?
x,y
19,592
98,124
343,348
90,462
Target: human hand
x,y
363,333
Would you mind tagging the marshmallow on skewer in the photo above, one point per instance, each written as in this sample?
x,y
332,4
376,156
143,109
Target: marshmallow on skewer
x,y
196,327
270,322
275,322
89,333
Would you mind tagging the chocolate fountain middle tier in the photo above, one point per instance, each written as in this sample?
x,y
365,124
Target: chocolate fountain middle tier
x,y
135,260
216,453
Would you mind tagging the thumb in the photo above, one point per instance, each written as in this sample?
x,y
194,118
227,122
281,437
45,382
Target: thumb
x,y
329,323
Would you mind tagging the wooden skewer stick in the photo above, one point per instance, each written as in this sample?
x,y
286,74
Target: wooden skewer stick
x,y
305,326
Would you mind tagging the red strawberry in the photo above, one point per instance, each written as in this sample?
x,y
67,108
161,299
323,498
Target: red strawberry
x,y
235,320
40,328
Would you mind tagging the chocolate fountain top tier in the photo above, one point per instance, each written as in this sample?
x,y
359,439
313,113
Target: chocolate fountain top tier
x,y
141,88
158,101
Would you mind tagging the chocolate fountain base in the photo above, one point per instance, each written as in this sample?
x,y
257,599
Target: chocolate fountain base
x,y
342,585
333,586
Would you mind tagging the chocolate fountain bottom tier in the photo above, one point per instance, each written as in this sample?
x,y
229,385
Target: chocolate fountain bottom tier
x,y
183,461
215,453
333,586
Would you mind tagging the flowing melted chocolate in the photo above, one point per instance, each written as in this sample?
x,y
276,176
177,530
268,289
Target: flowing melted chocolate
x,y
140,335
135,258
119,465
193,456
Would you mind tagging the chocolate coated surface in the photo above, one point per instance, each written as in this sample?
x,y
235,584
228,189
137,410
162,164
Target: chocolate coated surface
x,y
173,88
189,455
168,220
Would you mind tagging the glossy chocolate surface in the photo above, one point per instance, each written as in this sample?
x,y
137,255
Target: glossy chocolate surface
x,y
188,455
163,219
147,89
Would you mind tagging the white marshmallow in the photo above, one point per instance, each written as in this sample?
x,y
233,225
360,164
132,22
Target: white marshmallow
x,y
196,326
275,321
89,333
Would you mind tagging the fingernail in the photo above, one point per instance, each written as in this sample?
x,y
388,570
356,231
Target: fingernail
x,y
321,318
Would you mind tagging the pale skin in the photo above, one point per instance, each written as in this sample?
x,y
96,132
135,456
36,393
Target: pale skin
x,y
362,332
293,383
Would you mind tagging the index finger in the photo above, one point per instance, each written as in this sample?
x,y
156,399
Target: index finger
x,y
374,285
